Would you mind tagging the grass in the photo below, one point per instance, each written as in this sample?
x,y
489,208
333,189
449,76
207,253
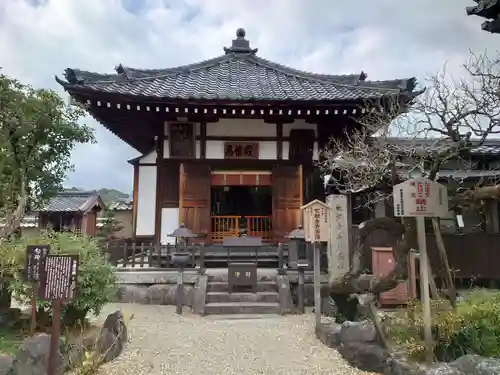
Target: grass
x,y
11,339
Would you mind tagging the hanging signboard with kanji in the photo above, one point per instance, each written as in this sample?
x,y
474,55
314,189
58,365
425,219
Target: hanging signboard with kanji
x,y
420,197
35,261
317,221
58,279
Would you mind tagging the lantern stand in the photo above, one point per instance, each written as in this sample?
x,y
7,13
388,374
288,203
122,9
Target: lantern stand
x,y
297,246
180,258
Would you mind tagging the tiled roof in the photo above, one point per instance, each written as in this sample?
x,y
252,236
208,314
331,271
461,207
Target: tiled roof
x,y
121,206
238,75
73,201
488,147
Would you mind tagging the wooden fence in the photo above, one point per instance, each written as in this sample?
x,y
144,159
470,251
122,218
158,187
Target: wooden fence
x,y
470,255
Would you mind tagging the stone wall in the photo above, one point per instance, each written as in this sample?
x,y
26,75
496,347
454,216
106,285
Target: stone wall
x,y
357,343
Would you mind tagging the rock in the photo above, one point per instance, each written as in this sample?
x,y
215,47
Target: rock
x,y
398,364
444,369
132,294
112,337
6,364
477,365
32,358
358,332
329,334
365,356
164,294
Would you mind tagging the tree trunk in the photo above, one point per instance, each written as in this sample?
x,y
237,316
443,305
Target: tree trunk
x,y
354,282
13,220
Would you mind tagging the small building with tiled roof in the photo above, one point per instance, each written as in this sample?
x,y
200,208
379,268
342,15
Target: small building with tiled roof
x,y
228,145
72,210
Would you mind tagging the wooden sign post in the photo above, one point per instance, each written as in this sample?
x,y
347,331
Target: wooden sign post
x,y
421,198
317,227
35,262
57,284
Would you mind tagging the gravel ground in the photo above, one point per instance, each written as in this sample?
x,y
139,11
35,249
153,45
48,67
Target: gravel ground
x,y
162,342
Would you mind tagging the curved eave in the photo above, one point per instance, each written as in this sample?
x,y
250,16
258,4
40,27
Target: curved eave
x,y
91,93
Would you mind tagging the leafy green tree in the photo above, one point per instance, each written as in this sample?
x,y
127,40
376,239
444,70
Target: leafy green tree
x,y
38,131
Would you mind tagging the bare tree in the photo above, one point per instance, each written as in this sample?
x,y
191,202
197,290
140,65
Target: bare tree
x,y
446,122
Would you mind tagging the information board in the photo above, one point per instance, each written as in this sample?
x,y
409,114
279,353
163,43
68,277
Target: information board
x,y
58,279
420,197
317,221
35,261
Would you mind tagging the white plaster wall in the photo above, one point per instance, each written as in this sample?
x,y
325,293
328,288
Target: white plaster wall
x,y
169,223
166,149
241,128
286,150
315,151
215,150
198,149
146,201
299,124
268,150
148,158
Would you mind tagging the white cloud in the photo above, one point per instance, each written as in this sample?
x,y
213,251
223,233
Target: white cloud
x,y
385,38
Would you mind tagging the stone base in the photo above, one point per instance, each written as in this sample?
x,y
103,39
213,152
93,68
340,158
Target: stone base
x,y
157,294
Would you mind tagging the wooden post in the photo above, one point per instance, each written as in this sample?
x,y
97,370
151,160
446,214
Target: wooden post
x,y
452,294
179,298
432,281
301,291
33,307
317,284
52,367
424,289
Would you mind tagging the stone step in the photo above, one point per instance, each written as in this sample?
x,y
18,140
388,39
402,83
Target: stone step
x,y
223,286
242,297
242,308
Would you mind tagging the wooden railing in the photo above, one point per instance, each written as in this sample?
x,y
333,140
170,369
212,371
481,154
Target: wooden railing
x,y
224,226
148,255
229,226
259,226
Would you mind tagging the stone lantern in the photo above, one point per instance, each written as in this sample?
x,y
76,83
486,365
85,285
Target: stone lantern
x,y
181,258
297,258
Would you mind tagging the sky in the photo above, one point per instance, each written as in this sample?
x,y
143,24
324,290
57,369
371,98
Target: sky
x,y
385,38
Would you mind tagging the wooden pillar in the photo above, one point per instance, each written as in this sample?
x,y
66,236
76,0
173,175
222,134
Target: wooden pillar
x,y
203,140
279,141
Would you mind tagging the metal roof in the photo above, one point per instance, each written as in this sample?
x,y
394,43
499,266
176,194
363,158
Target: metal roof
x,y
238,75
73,201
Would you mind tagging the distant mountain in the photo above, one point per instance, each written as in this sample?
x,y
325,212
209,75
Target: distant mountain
x,y
112,195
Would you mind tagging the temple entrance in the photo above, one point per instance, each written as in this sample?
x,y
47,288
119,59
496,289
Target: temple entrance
x,y
240,206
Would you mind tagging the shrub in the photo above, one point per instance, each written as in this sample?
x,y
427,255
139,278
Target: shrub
x,y
95,282
473,327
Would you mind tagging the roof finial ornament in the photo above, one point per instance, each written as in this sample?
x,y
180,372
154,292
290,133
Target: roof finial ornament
x,y
240,44
240,33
